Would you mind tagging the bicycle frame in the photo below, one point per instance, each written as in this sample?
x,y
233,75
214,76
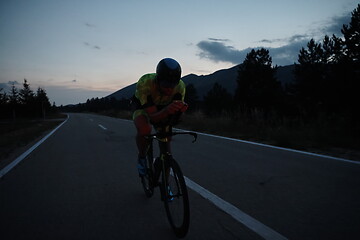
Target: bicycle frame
x,y
163,135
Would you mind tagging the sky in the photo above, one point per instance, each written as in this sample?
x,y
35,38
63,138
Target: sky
x,y
78,50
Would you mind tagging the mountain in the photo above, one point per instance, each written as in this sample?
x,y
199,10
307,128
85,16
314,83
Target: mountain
x,y
126,92
203,83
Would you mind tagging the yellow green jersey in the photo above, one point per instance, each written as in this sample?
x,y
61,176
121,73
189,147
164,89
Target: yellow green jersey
x,y
148,94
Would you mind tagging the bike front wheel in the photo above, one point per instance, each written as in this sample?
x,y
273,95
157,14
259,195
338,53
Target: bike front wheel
x,y
176,199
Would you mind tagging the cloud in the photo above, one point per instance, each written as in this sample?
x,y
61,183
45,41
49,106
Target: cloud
x,y
284,55
219,52
284,41
13,83
287,54
91,46
3,86
6,86
335,24
267,41
218,39
90,25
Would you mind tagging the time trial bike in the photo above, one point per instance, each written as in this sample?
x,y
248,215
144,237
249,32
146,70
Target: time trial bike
x,y
164,172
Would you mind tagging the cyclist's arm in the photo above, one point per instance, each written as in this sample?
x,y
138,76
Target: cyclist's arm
x,y
156,116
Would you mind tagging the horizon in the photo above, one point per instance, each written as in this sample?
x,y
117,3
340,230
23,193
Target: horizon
x,y
77,50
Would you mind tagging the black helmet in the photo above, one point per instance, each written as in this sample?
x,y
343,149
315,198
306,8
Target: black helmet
x,y
168,73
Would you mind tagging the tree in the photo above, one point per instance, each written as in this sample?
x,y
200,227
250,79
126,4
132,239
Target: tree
x,y
42,102
14,100
310,76
351,65
191,97
14,95
352,36
3,97
26,94
327,76
217,100
4,106
257,85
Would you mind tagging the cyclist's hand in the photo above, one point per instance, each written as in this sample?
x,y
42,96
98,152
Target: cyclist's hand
x,y
174,107
184,107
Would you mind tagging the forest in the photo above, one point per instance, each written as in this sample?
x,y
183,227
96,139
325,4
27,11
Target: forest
x,y
24,103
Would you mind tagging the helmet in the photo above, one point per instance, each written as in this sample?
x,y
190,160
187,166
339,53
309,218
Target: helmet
x,y
168,73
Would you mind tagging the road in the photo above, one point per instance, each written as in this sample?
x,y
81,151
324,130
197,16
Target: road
x,y
82,183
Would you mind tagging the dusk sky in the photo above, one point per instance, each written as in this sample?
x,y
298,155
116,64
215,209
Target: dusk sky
x,y
77,49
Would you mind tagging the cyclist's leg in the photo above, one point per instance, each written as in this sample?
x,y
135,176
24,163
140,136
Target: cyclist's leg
x,y
143,128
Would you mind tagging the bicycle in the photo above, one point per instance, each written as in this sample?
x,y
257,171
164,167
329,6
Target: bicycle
x,y
172,185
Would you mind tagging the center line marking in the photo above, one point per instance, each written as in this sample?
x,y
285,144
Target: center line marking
x,y
102,127
250,222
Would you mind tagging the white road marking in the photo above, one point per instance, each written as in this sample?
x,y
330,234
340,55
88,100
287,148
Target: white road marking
x,y
25,154
250,222
102,127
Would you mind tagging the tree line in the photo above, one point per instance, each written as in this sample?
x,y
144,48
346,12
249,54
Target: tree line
x,y
24,102
100,105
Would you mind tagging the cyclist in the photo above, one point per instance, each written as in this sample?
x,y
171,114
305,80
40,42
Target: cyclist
x,y
158,96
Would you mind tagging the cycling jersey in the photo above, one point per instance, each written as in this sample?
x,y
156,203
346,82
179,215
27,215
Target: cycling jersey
x,y
148,94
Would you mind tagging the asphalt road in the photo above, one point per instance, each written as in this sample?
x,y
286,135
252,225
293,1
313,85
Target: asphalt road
x,y
82,183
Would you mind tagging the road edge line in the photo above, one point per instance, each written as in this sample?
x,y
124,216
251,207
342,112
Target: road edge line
x,y
11,165
101,126
250,222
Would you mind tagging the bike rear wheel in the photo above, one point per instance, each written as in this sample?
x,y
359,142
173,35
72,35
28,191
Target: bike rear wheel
x,y
176,199
147,180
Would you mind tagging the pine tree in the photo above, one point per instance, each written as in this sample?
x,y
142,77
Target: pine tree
x,y
327,76
26,94
14,100
257,85
191,97
310,77
42,102
217,101
4,106
352,36
3,97
14,95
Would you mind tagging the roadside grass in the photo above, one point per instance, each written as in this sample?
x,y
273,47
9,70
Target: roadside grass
x,y
19,133
334,138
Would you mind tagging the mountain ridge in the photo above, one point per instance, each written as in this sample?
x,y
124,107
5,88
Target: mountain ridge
x,y
203,83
